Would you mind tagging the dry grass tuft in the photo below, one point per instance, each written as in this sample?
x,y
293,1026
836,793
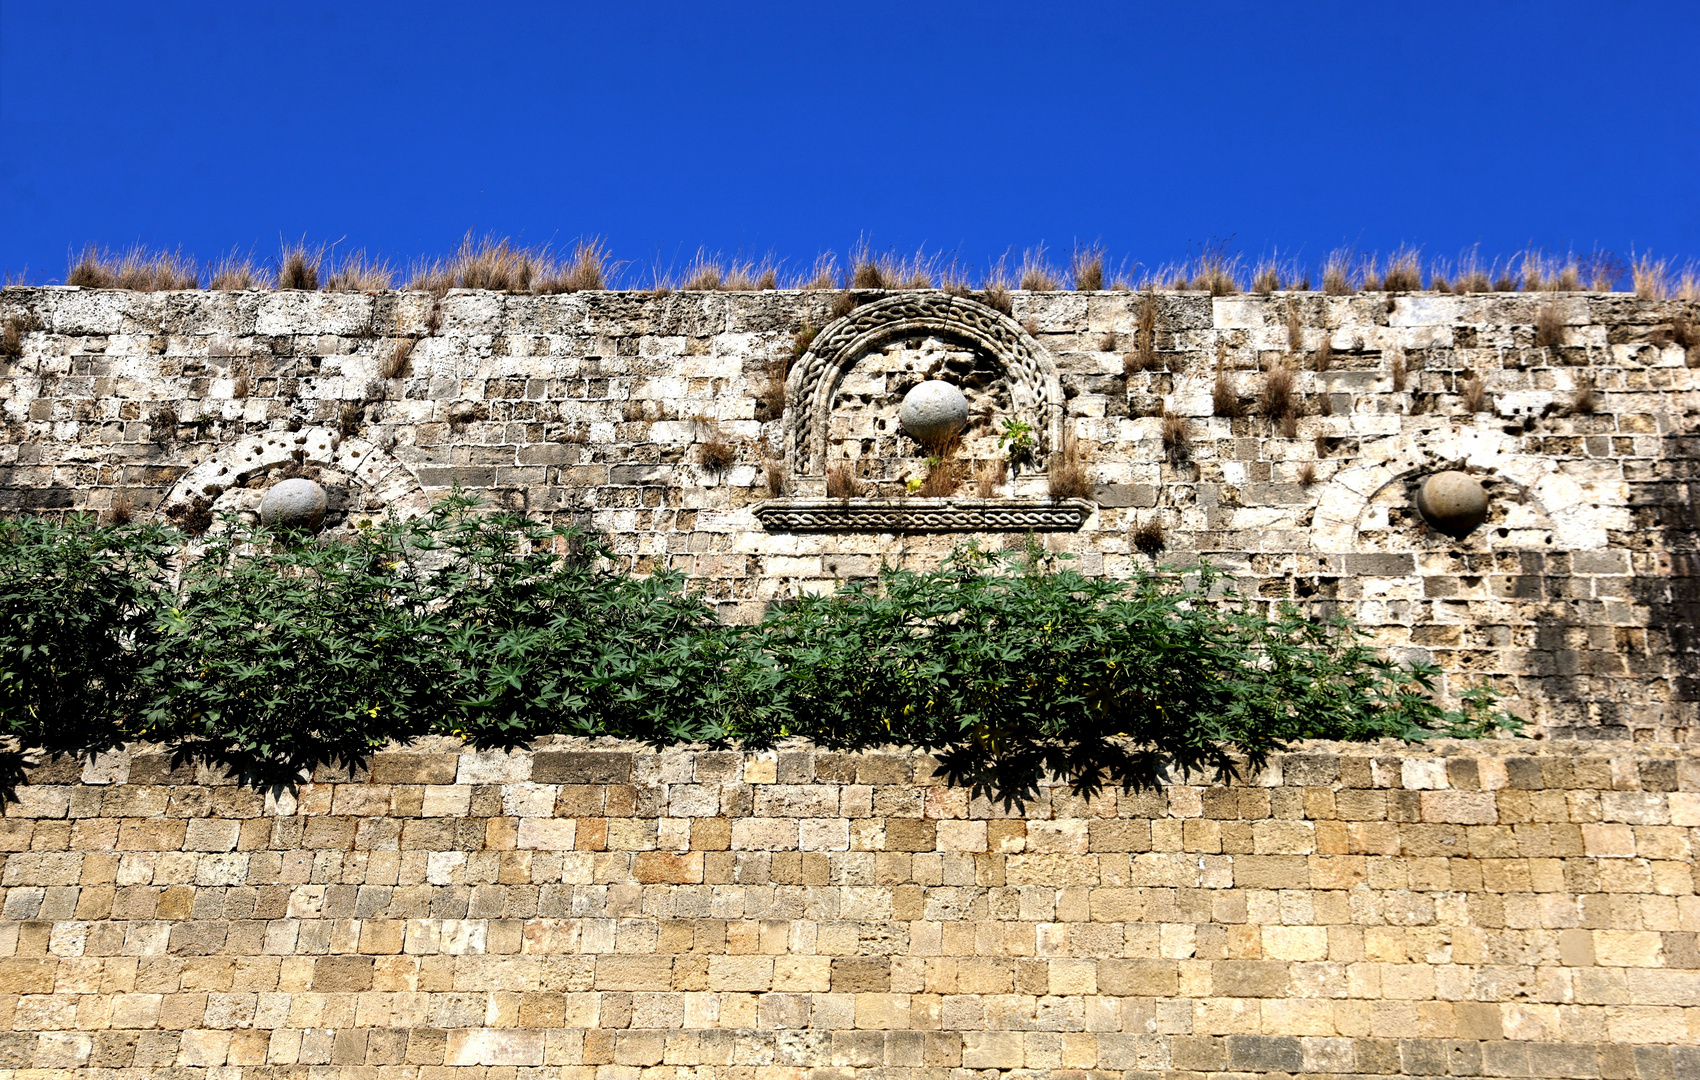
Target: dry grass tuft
x,y
1652,278
1224,400
1037,274
11,340
1586,399
945,472
1144,354
802,339
1216,274
714,452
357,273
1549,326
1176,446
123,507
1369,277
988,475
823,276
1031,325
1295,329
1307,473
1404,271
841,482
298,267
1398,370
843,304
1150,539
399,361
770,399
1086,267
1322,356
587,271
1289,426
773,471
996,295
1474,395
238,273
1266,278
1108,341
1685,332
138,270
240,387
1336,274
1276,397
1067,475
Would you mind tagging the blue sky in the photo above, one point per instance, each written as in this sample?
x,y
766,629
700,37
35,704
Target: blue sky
x,y
796,128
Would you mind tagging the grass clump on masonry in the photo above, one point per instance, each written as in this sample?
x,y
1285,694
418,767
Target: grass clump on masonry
x,y
270,652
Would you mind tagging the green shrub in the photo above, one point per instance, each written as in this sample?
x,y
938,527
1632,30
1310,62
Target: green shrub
x,y
1012,669
76,602
272,652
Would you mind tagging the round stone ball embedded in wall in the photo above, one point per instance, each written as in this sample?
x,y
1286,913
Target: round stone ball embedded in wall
x,y
933,412
296,503
1453,502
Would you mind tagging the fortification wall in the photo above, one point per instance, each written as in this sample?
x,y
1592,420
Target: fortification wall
x,y
614,411
598,912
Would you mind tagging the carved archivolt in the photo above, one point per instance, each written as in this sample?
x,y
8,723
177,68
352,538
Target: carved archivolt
x,y
386,483
1036,393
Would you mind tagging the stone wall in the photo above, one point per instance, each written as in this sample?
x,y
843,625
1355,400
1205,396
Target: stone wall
x,y
595,912
610,410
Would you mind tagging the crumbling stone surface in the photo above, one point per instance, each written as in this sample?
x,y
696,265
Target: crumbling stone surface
x,y
1576,597
594,909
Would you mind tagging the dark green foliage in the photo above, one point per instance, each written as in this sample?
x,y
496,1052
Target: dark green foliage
x,y
272,653
77,604
1012,669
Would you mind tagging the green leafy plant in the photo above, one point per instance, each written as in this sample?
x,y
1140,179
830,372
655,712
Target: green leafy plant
x,y
1017,442
273,652
77,604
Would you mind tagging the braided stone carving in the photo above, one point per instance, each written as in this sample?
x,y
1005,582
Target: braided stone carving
x,y
922,515
1035,391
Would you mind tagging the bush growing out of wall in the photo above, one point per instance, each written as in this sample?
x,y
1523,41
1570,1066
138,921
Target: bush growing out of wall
x,y
270,652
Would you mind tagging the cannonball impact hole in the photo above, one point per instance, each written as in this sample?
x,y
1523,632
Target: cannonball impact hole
x,y
1453,502
296,504
933,413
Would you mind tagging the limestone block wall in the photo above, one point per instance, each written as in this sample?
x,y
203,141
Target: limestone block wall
x,y
600,912
617,412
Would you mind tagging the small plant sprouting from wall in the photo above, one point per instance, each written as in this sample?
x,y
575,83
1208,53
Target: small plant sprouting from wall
x,y
714,451
841,481
1087,269
398,360
298,268
1404,271
1307,473
1474,394
989,476
1295,329
773,472
11,338
1276,398
1396,368
1143,357
1036,273
1266,278
843,304
1067,475
945,472
1549,326
1149,538
1586,399
1322,357
1224,399
1176,446
1336,271
1018,442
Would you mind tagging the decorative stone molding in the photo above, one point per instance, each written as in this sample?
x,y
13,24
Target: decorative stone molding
x,y
922,515
1035,390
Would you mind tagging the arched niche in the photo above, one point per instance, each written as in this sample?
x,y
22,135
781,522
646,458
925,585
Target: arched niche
x,y
1035,391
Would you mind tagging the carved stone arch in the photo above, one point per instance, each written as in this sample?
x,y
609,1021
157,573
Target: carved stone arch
x,y
371,481
1035,390
1575,522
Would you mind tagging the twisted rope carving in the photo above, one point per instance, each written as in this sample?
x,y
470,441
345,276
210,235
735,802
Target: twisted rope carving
x,y
920,516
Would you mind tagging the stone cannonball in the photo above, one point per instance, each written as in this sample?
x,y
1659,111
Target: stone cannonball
x,y
933,412
1452,502
296,503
